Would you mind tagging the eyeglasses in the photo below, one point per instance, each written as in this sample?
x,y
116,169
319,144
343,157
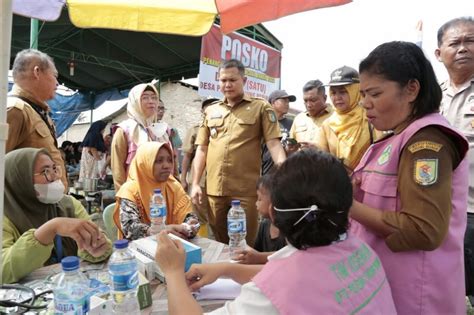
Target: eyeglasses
x,y
50,173
149,98
161,108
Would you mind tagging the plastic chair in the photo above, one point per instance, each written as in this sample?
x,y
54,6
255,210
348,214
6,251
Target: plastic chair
x,y
108,217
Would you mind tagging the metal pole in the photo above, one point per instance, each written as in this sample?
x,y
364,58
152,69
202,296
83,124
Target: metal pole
x,y
34,25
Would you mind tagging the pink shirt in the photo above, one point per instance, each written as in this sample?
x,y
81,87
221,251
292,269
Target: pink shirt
x,y
342,278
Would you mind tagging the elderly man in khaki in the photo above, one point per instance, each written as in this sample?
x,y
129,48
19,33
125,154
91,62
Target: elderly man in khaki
x,y
229,143
306,126
29,124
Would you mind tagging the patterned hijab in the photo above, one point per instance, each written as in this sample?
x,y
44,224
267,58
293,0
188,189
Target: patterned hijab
x,y
22,207
134,112
351,128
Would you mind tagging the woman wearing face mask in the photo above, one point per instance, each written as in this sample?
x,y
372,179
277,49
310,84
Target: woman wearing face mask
x,y
41,224
152,169
347,133
142,107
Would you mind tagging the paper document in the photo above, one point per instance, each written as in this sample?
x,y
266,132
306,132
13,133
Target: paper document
x,y
221,289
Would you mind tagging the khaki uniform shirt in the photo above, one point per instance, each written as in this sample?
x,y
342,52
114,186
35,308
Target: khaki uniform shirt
x,y
306,128
234,136
415,199
26,128
118,156
189,146
458,108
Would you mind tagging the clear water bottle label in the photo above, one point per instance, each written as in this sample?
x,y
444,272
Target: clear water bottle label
x,y
236,226
125,282
158,211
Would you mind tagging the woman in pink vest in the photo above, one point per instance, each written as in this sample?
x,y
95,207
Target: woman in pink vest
x,y
411,186
142,110
322,270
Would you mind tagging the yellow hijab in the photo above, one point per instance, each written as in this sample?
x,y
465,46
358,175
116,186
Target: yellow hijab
x,y
141,183
134,112
351,128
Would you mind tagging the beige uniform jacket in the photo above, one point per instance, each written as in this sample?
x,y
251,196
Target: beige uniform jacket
x,y
234,136
458,108
189,146
306,128
26,128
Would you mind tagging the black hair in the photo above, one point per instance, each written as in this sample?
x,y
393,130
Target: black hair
x,y
451,23
94,138
314,84
265,181
65,144
403,62
311,177
233,63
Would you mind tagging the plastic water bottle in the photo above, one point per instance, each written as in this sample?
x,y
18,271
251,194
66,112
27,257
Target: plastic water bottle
x,y
123,273
157,212
71,292
237,228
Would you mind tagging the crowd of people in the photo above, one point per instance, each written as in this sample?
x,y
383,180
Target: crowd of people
x,y
366,202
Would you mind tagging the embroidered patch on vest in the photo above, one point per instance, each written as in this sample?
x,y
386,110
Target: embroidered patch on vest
x,y
426,171
385,156
422,145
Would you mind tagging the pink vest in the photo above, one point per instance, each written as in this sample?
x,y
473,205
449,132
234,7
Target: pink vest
x,y
132,147
344,278
422,282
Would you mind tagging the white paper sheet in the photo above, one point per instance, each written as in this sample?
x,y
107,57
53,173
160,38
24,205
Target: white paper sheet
x,y
221,289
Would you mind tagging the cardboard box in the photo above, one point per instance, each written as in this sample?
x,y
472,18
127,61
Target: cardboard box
x,y
146,266
144,292
147,247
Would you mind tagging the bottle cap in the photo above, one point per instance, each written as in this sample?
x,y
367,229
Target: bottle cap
x,y
157,191
121,244
235,203
70,263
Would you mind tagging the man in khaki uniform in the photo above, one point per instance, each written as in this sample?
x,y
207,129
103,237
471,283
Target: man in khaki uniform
x,y
306,126
189,151
456,52
229,143
29,124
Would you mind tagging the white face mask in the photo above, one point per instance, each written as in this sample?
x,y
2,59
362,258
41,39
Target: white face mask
x,y
51,192
158,129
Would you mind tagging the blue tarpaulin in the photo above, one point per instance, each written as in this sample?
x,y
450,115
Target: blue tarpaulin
x,y
66,108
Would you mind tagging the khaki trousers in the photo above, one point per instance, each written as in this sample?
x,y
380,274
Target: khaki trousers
x,y
217,216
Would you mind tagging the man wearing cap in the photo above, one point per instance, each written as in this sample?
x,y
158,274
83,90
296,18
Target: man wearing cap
x,y
306,126
280,101
229,147
347,133
189,151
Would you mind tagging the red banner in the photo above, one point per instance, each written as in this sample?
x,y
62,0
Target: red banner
x,y
261,61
